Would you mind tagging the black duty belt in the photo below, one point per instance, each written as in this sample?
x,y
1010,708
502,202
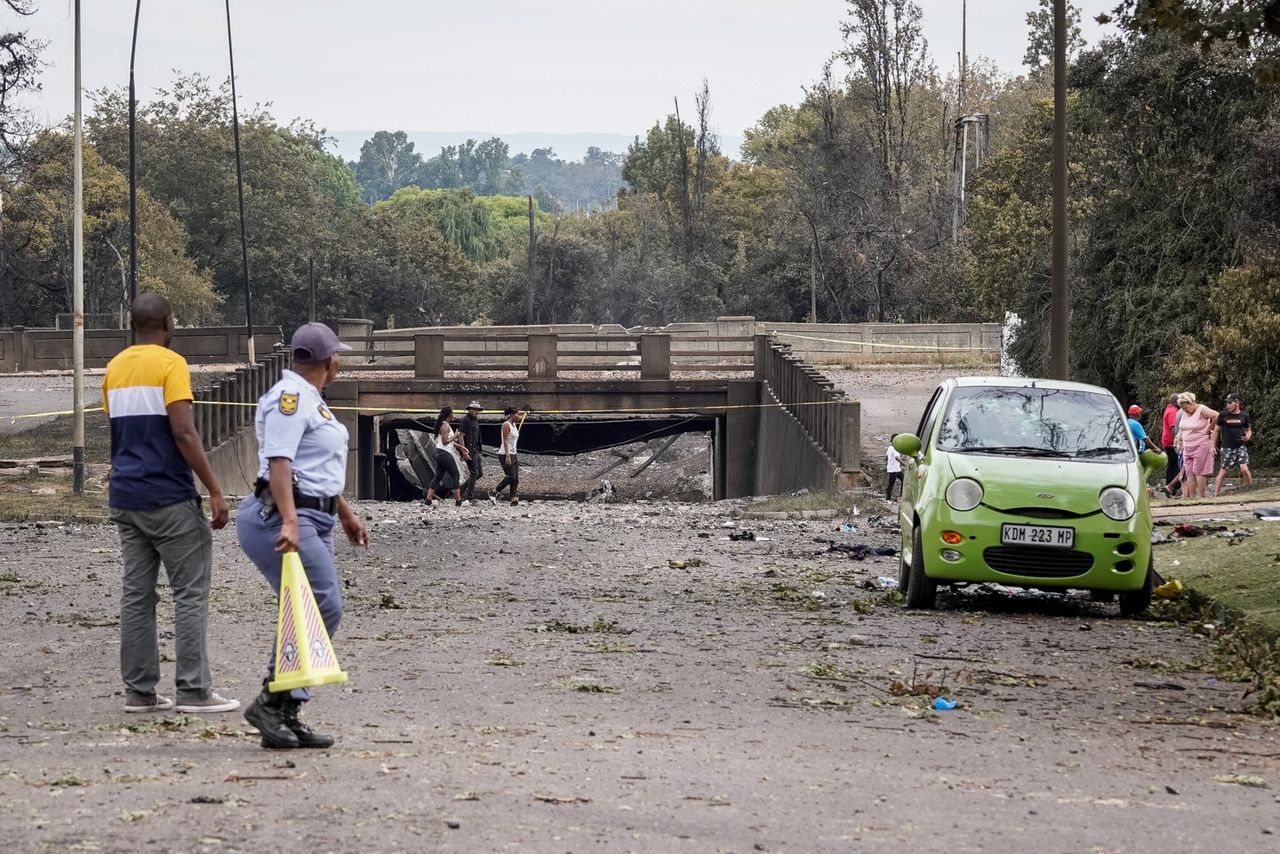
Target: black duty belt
x,y
328,504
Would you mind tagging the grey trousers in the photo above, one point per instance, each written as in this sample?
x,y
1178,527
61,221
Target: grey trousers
x,y
180,537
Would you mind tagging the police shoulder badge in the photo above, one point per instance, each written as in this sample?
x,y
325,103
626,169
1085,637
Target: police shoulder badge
x,y
324,412
288,403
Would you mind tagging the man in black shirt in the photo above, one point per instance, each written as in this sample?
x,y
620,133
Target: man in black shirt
x,y
470,429
1236,429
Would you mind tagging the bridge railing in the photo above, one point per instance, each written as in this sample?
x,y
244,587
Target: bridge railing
x,y
830,418
217,421
548,356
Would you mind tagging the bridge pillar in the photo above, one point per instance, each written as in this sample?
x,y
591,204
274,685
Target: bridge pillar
x,y
655,357
343,397
736,442
428,357
543,350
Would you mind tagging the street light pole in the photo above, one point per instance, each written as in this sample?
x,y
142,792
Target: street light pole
x,y
1060,299
133,170
77,277
244,240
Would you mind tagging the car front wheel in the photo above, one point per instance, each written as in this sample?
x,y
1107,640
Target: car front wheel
x,y
922,591
1134,602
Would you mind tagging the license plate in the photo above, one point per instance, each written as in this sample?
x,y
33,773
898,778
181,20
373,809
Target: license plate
x,y
1037,535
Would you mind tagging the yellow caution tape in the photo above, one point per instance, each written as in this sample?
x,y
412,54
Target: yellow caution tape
x,y
58,414
881,344
408,410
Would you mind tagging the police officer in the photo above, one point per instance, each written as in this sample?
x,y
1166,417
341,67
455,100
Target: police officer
x,y
302,466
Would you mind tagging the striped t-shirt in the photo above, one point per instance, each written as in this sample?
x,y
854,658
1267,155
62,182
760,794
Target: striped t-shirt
x,y
147,469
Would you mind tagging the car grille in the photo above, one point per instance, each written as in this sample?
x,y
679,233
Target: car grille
x,y
1044,513
1033,562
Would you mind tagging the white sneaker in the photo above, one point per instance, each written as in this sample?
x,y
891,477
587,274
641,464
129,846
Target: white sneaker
x,y
212,703
155,703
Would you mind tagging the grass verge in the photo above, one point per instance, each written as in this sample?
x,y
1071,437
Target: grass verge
x,y
54,440
1239,579
19,504
840,501
1241,575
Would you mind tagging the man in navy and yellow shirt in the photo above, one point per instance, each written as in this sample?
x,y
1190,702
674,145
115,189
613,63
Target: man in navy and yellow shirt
x,y
154,449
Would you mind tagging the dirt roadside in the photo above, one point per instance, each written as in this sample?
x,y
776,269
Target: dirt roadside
x,y
544,680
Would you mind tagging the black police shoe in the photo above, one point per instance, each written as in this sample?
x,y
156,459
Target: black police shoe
x,y
269,714
305,736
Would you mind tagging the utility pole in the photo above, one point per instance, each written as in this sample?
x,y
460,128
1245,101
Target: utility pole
x,y
311,287
964,52
244,240
77,275
133,170
533,248
1060,307
813,284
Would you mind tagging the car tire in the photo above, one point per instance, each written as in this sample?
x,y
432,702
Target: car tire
x,y
1134,602
904,569
922,591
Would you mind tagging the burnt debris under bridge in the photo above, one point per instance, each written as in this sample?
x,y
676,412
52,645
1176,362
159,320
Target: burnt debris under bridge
x,y
404,443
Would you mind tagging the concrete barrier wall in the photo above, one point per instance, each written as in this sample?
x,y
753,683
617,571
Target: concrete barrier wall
x,y
788,459
235,464
50,349
888,342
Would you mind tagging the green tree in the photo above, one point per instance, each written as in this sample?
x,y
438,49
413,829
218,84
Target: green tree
x,y
301,202
37,229
456,214
19,75
1247,25
1038,57
387,163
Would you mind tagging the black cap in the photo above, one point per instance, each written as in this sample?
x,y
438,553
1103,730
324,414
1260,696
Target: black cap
x,y
1233,398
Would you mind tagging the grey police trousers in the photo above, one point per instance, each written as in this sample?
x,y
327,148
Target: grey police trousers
x,y
180,537
315,548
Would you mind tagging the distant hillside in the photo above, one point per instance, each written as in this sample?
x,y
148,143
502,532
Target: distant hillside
x,y
567,146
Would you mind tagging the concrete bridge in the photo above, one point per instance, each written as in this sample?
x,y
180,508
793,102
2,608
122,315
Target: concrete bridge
x,y
777,424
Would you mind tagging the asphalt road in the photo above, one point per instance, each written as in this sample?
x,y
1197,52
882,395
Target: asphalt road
x,y
25,394
545,679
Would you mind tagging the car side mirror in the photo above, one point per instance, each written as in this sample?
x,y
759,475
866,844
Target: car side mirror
x,y
907,444
1153,460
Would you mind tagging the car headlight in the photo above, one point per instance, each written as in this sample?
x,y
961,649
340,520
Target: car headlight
x,y
964,494
1116,503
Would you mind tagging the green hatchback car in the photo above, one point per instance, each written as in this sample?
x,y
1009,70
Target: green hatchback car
x,y
1026,483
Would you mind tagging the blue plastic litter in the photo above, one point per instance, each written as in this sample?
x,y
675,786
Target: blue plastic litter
x,y
846,528
942,704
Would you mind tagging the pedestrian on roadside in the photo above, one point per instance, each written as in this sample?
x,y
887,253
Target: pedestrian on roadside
x,y
1136,429
508,454
470,429
1197,437
448,477
155,448
1168,432
302,470
1236,429
893,469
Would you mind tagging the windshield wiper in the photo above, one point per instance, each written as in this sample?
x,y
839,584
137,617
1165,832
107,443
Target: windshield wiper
x,y
1016,451
1100,451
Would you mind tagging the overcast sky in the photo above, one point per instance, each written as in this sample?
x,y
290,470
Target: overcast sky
x,y
562,66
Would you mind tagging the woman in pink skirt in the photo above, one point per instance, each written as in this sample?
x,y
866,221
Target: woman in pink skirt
x,y
1198,439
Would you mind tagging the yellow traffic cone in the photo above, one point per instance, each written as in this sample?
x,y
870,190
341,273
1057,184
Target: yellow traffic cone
x,y
304,653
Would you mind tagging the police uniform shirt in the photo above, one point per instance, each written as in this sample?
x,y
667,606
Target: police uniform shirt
x,y
293,422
